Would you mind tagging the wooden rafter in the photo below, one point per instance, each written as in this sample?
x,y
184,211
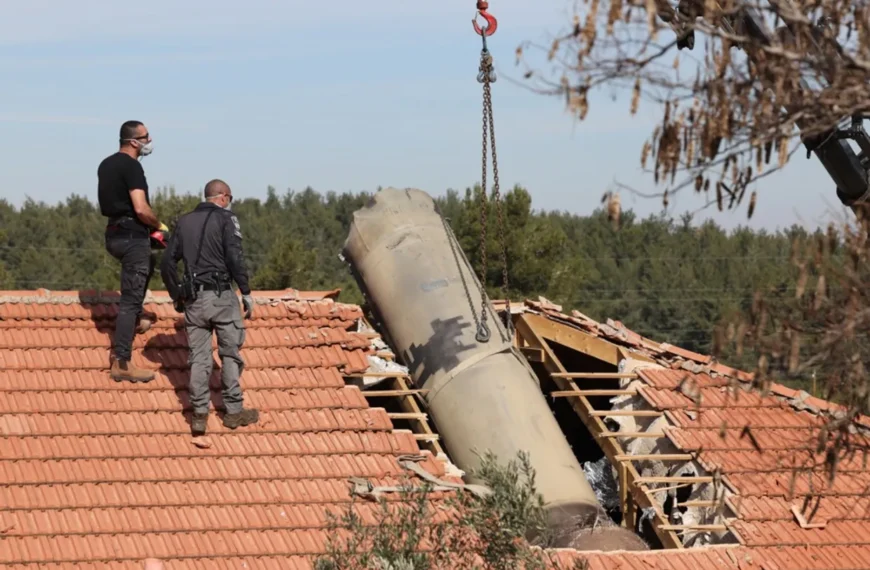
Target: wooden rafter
x,y
535,332
596,375
572,338
407,398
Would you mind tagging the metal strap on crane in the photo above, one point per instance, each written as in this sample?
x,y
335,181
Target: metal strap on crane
x,y
486,75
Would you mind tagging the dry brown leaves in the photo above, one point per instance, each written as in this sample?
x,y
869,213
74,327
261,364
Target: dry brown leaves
x,y
740,100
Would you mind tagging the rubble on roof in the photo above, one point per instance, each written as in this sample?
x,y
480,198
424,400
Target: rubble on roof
x,y
96,474
669,355
376,363
765,481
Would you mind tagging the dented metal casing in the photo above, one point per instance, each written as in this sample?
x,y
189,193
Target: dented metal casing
x,y
481,395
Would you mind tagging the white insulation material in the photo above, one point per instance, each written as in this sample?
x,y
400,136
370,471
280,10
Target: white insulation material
x,y
376,363
671,493
602,478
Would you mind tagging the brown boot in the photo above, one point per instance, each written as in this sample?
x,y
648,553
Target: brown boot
x,y
124,370
243,418
198,423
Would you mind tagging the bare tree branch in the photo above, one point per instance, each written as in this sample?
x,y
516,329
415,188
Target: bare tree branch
x,y
732,115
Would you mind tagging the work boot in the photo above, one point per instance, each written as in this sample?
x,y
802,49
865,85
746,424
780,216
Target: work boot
x,y
198,423
124,370
243,418
144,325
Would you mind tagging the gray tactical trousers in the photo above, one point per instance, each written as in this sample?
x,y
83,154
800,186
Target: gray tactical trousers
x,y
223,315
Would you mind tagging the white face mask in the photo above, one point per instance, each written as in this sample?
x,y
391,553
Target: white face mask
x,y
146,149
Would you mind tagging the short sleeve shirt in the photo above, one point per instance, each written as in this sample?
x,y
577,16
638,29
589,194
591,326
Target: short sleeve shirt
x,y
117,175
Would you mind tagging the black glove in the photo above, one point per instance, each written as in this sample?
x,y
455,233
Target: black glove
x,y
248,304
179,306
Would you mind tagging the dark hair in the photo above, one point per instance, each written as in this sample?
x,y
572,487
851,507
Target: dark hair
x,y
215,187
128,130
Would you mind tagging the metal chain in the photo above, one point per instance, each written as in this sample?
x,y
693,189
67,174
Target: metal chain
x,y
483,332
487,76
498,206
455,247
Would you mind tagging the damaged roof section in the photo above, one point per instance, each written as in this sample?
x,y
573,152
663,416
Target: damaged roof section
x,y
96,474
696,454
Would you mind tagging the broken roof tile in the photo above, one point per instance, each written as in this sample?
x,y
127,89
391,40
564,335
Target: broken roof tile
x,y
789,514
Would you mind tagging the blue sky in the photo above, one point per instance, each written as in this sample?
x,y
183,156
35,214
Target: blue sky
x,y
280,93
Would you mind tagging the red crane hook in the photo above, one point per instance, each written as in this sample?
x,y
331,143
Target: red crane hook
x,y
491,22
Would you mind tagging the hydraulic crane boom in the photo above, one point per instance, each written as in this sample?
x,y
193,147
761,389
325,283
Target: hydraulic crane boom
x,y
848,169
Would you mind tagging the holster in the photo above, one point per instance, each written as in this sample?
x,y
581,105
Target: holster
x,y
188,288
192,284
219,282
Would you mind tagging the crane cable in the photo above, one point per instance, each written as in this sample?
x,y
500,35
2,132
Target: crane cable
x,y
486,75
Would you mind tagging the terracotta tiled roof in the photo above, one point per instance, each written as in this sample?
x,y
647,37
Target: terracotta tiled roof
x,y
708,407
98,474
723,558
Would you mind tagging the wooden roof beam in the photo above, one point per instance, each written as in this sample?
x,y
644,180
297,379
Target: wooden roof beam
x,y
535,331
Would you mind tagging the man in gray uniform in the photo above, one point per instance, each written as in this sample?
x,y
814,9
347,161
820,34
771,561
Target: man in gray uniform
x,y
209,239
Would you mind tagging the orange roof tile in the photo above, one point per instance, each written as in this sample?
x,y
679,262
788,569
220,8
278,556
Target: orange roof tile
x,y
98,474
757,466
95,473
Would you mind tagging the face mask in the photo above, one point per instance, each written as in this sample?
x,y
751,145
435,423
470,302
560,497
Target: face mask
x,y
146,149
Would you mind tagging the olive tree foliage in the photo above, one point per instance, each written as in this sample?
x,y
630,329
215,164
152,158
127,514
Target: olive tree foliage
x,y
733,109
504,530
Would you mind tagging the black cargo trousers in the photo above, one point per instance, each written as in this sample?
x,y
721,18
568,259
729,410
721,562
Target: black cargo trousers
x,y
133,250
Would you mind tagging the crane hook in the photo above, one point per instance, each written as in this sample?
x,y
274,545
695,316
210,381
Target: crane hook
x,y
491,22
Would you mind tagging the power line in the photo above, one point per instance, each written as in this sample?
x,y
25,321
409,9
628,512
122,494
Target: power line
x,y
693,259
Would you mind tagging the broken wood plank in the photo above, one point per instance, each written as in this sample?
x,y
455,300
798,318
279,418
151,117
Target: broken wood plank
x,y
629,413
378,375
573,339
708,527
655,457
674,479
595,375
427,436
528,326
635,434
532,354
412,406
570,393
698,504
391,393
407,416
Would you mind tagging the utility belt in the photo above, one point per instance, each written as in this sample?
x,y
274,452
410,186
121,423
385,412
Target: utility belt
x,y
192,285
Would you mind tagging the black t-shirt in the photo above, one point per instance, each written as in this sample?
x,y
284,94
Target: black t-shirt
x,y
117,175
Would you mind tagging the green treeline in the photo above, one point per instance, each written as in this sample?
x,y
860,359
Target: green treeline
x,y
664,278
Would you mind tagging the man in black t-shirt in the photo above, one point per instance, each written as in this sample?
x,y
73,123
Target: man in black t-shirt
x,y
123,197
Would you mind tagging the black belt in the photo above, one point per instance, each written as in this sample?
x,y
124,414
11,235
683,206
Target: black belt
x,y
118,232
226,286
114,227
